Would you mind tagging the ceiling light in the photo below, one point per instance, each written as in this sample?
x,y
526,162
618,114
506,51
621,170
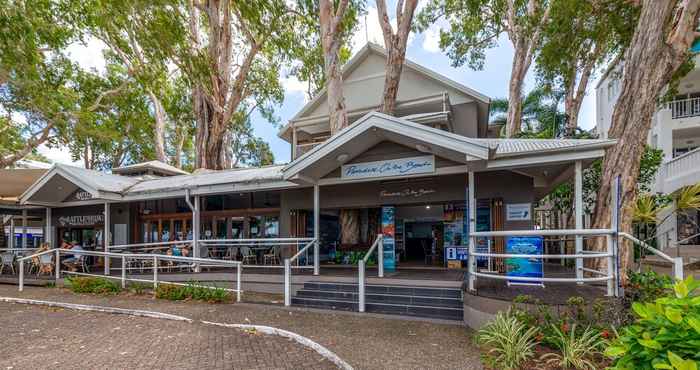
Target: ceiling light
x,y
427,207
342,157
423,148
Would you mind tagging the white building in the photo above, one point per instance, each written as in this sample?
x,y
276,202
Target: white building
x,y
675,130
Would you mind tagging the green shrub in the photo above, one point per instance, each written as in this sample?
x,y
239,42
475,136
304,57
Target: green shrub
x,y
576,350
665,335
92,285
192,291
138,288
509,342
647,286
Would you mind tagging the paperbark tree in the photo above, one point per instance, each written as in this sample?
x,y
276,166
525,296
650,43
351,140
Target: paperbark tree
x,y
395,44
579,37
331,17
475,26
659,47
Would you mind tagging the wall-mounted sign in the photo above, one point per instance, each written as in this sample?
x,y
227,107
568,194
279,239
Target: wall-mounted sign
x,y
518,212
412,193
81,220
79,195
524,267
388,233
391,167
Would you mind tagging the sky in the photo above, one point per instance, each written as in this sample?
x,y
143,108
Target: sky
x,y
423,49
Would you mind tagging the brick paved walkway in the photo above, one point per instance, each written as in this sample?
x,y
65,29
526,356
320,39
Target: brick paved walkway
x,y
35,337
364,341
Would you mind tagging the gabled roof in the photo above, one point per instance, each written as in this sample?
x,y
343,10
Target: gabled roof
x,y
362,55
514,147
154,166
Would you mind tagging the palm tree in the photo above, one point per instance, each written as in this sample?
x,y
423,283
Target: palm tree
x,y
542,116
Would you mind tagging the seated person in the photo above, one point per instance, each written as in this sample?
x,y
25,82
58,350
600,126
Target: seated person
x,y
73,262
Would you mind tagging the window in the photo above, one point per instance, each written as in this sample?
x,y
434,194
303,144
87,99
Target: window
x,y
613,89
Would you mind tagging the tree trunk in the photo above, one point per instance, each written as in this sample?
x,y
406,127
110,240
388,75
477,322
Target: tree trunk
x,y
575,92
349,226
179,145
396,49
521,64
159,128
659,46
330,39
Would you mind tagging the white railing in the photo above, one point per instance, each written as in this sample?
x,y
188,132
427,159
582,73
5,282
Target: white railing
x,y
155,259
675,168
288,272
677,262
610,276
685,108
378,245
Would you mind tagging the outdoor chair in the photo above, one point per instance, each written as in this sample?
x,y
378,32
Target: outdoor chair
x,y
428,250
45,265
272,256
7,259
248,255
231,254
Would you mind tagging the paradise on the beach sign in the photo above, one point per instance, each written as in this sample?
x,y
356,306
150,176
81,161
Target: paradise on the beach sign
x,y
390,167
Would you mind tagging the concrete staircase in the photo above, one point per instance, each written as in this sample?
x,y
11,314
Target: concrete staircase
x,y
428,302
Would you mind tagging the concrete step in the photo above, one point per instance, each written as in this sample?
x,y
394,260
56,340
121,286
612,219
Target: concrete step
x,y
386,289
444,313
382,298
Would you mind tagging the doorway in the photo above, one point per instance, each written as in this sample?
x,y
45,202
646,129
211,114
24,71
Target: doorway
x,y
424,243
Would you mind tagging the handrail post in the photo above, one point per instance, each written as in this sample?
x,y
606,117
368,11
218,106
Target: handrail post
x,y
123,272
611,265
58,265
21,275
287,283
361,285
155,272
678,268
238,283
470,263
380,256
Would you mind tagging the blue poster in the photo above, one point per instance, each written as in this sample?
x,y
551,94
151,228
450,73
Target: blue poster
x,y
388,232
524,267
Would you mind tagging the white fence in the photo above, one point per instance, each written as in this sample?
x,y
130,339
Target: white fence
x,y
685,108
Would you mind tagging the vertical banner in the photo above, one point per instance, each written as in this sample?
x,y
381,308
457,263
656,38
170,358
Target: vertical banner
x,y
524,267
388,232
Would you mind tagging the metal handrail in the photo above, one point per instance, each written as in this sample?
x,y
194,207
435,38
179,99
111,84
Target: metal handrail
x,y
676,261
548,232
379,245
124,256
288,272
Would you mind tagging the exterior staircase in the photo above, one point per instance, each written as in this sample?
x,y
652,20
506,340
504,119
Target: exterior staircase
x,y
427,302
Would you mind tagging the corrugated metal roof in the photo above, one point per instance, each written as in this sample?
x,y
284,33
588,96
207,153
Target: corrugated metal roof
x,y
238,175
150,165
508,147
100,180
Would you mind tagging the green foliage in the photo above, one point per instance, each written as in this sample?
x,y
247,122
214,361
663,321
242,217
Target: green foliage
x,y
542,117
92,285
577,349
193,291
648,285
138,288
509,341
648,166
666,334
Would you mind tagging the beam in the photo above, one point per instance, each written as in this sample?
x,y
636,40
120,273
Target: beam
x,y
471,198
12,232
24,228
106,236
48,235
317,231
578,206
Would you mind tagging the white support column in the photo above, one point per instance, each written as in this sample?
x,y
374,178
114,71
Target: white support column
x,y
48,235
24,229
106,236
471,198
317,231
195,230
11,237
578,206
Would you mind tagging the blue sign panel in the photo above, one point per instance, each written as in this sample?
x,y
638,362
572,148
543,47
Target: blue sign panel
x,y
524,267
388,232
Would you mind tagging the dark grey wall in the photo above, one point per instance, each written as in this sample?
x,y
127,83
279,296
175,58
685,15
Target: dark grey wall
x,y
119,214
465,119
511,187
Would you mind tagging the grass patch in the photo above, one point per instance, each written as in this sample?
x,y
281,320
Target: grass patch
x,y
192,291
92,285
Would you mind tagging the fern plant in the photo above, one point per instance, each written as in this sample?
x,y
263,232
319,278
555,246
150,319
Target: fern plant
x,y
575,351
510,342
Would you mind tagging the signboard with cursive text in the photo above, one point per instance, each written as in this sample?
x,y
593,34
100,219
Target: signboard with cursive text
x,y
390,167
81,220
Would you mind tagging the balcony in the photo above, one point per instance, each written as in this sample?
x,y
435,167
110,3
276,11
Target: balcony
x,y
679,172
685,108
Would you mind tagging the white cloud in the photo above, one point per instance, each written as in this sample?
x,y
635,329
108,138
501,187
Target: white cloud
x,y
292,85
88,55
58,155
369,30
431,39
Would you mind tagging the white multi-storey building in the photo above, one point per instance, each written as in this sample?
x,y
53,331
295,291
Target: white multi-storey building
x,y
675,130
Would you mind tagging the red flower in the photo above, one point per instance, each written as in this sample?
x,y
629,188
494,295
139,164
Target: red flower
x,y
605,334
565,327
